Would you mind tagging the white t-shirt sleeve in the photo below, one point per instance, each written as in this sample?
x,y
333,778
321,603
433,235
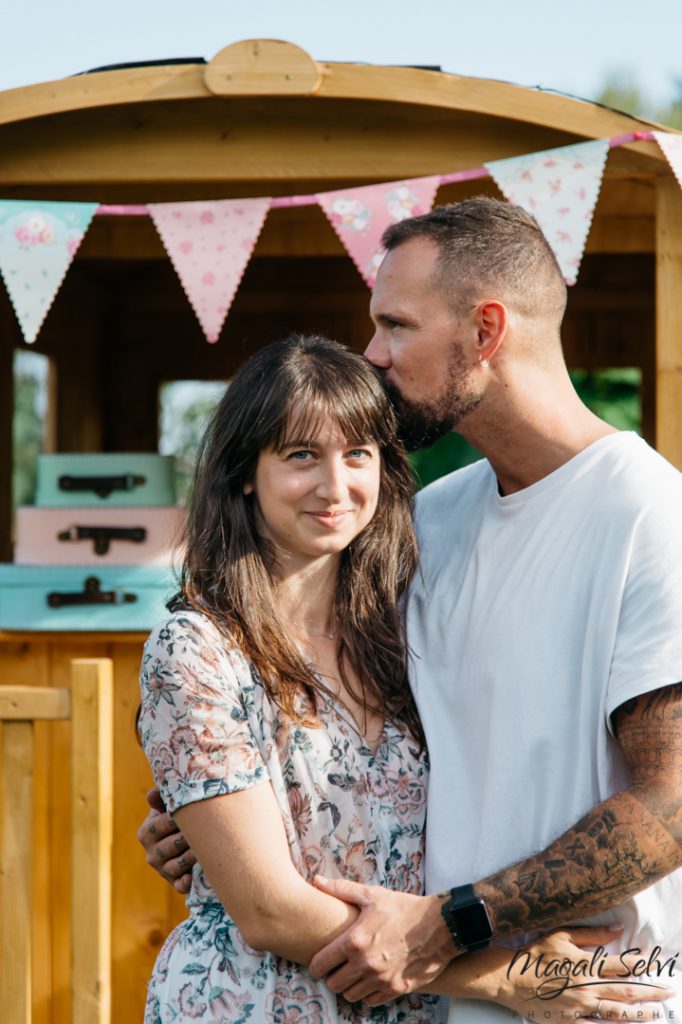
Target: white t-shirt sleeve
x,y
648,647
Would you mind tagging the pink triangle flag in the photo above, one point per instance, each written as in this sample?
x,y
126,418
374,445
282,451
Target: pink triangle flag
x,y
361,215
210,244
560,187
671,145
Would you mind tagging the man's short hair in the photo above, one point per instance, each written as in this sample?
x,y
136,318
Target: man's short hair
x,y
489,245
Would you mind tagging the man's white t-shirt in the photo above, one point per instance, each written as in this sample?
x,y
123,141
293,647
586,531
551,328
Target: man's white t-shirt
x,y
532,618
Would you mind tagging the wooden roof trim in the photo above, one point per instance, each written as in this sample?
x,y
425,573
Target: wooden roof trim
x,y
337,81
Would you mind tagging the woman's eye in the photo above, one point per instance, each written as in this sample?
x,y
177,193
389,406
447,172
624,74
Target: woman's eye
x,y
301,456
359,453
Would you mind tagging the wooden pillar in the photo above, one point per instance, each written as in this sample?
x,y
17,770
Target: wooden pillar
x,y
92,787
6,411
669,319
16,790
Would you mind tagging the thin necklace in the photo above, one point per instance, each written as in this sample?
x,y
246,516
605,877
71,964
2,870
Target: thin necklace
x,y
328,636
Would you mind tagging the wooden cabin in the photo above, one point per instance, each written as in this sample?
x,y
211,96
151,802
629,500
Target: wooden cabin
x,y
264,118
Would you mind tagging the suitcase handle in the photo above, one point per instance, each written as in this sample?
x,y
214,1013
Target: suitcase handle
x,y
91,594
102,536
101,485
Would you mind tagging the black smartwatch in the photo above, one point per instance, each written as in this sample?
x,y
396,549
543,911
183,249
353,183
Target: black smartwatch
x,y
467,919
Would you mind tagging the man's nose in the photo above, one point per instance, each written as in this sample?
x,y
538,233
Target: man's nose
x,y
377,351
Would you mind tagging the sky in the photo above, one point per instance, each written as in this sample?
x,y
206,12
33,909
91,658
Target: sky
x,y
568,45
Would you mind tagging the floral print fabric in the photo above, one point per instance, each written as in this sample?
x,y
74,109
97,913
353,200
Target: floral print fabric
x,y
208,728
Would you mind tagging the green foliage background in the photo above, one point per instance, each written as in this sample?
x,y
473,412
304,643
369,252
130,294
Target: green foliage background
x,y
621,91
30,395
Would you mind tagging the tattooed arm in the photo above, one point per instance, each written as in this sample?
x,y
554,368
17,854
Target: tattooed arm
x,y
620,847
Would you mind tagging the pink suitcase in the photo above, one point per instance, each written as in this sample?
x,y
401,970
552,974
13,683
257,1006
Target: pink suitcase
x,y
98,536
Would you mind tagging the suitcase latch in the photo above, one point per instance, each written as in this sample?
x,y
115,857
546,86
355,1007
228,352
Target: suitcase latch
x,y
102,536
101,485
91,594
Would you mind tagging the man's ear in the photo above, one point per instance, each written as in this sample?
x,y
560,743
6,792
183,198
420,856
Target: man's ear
x,y
492,323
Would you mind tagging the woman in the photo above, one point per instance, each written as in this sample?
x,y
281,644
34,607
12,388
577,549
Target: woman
x,y
284,663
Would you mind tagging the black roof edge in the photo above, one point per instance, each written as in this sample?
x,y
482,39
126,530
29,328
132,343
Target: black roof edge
x,y
142,64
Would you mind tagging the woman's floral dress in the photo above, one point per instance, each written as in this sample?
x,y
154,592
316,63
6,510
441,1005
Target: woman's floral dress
x,y
208,728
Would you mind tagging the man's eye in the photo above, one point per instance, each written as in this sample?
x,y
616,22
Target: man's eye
x,y
359,453
300,456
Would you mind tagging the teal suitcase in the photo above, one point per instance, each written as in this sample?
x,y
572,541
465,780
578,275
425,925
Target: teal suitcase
x,y
90,598
111,478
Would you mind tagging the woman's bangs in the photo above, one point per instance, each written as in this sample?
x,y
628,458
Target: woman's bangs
x,y
357,415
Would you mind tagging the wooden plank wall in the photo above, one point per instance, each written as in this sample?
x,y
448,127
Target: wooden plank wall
x,y
144,908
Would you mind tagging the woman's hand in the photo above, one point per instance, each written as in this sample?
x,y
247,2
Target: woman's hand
x,y
568,981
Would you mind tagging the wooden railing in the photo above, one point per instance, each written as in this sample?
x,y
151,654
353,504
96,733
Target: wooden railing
x,y
89,707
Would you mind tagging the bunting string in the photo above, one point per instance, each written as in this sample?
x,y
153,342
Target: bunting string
x,y
210,242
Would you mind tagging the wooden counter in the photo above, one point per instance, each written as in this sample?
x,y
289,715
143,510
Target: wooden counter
x,y
144,907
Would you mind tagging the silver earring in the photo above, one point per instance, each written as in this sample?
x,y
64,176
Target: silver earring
x,y
485,363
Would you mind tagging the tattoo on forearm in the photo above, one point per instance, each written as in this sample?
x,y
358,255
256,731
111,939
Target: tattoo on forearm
x,y
620,847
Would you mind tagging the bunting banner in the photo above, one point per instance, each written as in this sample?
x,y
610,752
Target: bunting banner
x,y
671,145
210,244
560,187
37,243
361,215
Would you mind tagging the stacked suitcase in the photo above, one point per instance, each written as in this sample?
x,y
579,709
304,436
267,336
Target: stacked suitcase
x,y
99,549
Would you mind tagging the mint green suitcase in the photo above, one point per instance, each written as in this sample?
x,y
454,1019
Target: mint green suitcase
x,y
59,598
101,479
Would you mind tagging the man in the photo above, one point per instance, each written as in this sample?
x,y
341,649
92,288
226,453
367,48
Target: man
x,y
544,625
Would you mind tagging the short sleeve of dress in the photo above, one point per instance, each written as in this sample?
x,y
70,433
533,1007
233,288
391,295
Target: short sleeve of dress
x,y
194,722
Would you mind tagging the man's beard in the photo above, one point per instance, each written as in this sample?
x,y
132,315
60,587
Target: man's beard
x,y
421,424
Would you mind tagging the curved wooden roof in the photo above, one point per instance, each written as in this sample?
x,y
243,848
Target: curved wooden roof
x,y
165,83
263,113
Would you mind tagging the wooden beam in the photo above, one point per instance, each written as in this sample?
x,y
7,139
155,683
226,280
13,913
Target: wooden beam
x,y
92,834
271,145
16,803
23,703
669,319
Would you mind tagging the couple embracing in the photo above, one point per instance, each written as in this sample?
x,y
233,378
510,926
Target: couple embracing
x,y
513,658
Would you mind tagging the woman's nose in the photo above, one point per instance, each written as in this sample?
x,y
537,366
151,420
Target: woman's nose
x,y
331,485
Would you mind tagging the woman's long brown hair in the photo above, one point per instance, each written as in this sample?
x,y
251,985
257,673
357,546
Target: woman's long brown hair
x,y
229,571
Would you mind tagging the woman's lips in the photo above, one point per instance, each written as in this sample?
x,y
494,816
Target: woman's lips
x,y
329,518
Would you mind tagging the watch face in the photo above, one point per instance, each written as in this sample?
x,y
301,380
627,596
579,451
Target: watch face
x,y
477,923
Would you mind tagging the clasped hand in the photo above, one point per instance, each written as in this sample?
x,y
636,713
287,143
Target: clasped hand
x,y
398,944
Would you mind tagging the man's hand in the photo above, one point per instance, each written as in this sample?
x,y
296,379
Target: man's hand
x,y
398,944
165,846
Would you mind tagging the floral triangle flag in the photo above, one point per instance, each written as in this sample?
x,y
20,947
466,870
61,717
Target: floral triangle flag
x,y
560,187
361,215
671,144
38,240
210,244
